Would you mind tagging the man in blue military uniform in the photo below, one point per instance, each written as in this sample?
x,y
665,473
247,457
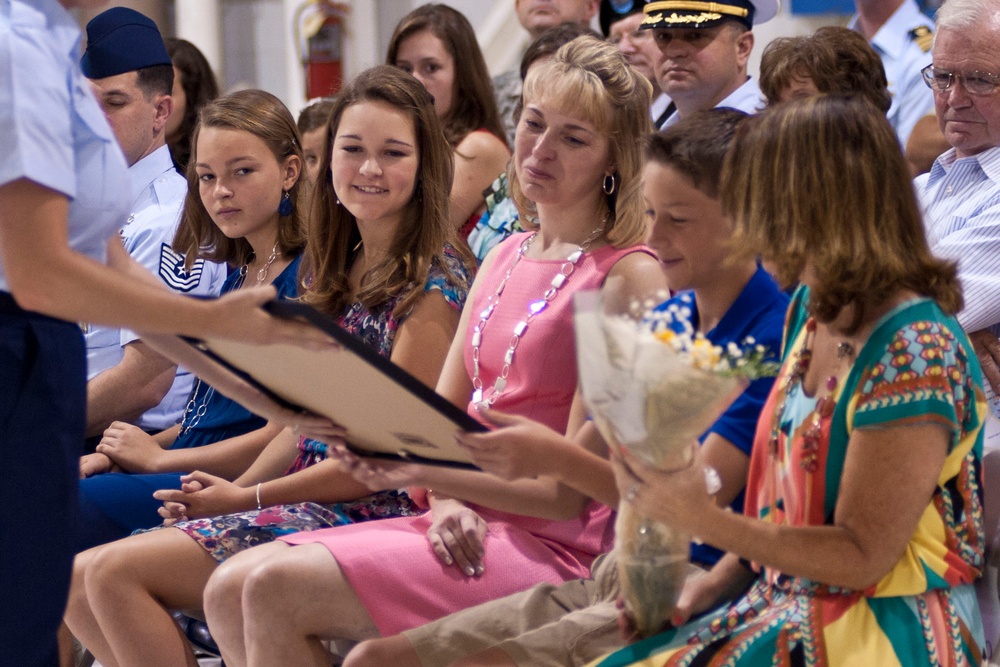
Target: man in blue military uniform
x,y
902,35
704,51
62,182
132,76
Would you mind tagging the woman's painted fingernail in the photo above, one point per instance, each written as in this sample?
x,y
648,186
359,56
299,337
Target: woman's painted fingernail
x,y
470,571
479,570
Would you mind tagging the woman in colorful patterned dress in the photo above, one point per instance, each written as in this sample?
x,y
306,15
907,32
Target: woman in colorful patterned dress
x,y
577,162
380,210
862,531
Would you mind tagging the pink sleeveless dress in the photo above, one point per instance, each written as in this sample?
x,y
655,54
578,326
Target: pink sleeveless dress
x,y
390,564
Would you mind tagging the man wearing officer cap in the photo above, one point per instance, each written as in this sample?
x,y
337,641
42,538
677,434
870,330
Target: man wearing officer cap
x,y
620,21
704,48
132,77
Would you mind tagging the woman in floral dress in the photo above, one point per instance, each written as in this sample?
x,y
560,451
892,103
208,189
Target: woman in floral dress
x,y
380,255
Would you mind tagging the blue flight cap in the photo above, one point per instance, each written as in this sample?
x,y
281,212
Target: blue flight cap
x,y
121,40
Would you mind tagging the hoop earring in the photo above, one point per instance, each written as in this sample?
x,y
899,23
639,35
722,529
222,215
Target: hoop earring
x,y
286,206
609,189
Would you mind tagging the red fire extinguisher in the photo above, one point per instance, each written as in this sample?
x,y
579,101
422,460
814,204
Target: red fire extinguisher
x,y
320,35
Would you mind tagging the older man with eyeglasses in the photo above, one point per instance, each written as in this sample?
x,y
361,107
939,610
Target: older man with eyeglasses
x,y
961,193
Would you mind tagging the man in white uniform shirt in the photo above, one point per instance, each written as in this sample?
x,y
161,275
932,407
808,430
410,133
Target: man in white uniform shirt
x,y
902,36
961,193
132,77
704,50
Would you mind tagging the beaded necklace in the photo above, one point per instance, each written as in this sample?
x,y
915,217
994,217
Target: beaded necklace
x,y
824,406
812,424
535,308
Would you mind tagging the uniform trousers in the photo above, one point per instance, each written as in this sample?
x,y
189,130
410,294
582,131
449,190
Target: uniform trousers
x,y
42,423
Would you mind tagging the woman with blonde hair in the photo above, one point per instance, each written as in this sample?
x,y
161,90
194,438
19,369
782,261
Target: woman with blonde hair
x,y
863,530
577,162
381,260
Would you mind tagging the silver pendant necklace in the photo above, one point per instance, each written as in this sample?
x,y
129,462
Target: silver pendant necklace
x,y
192,415
535,308
261,272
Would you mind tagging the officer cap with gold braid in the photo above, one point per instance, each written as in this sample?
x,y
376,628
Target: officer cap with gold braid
x,y
702,14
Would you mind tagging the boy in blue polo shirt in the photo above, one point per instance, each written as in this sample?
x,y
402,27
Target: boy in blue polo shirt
x,y
731,299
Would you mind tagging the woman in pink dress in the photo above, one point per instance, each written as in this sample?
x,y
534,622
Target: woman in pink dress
x,y
576,172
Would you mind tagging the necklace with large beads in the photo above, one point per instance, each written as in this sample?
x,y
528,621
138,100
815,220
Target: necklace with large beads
x,y
535,308
813,435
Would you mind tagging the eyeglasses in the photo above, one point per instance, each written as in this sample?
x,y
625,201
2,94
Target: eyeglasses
x,y
975,83
636,36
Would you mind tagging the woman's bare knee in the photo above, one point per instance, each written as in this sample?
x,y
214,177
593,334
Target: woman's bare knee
x,y
304,590
224,590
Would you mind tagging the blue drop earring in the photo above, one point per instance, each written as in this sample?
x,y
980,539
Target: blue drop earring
x,y
286,206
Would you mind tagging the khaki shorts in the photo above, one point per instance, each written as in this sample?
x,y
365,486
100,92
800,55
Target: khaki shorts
x,y
568,624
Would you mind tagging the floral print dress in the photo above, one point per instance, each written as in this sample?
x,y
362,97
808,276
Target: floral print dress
x,y
227,535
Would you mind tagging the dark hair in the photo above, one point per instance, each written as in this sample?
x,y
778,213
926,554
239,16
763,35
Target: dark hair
x,y
473,104
200,88
425,227
551,40
155,80
263,115
315,116
696,146
837,60
822,180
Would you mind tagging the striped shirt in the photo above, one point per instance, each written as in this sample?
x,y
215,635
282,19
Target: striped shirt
x,y
961,202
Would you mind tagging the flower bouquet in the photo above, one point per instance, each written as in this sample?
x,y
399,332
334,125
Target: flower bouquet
x,y
653,386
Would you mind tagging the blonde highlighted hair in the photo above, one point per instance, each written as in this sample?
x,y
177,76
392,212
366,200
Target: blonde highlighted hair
x,y
591,78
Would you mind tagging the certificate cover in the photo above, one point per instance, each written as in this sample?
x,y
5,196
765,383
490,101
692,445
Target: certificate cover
x,y
387,412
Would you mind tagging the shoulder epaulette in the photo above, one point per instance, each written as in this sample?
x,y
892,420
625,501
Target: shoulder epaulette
x,y
923,36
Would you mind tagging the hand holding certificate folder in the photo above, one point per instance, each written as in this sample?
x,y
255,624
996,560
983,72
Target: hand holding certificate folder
x,y
387,413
